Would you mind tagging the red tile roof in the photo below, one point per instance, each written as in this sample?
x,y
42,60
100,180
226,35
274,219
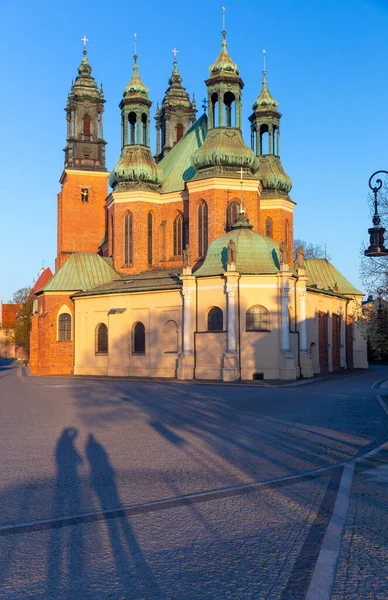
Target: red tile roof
x,y
43,278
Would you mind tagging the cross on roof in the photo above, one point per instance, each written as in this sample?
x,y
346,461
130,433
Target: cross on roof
x,y
204,104
84,40
175,52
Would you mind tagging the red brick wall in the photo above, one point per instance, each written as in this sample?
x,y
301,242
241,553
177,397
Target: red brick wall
x,y
47,355
279,218
81,225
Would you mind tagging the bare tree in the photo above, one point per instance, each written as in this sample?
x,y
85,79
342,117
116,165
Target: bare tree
x,y
310,250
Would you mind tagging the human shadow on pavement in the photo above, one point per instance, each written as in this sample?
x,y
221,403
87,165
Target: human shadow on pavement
x,y
131,564
66,573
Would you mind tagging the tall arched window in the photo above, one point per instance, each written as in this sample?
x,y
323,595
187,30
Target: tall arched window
x,y
232,212
64,327
214,101
268,227
215,319
132,128
229,99
179,132
101,341
150,243
112,239
287,232
86,125
138,338
178,235
202,228
257,318
144,129
128,239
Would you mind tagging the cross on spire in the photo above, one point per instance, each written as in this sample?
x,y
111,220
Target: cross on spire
x,y
134,43
204,104
264,53
223,18
84,40
175,52
241,173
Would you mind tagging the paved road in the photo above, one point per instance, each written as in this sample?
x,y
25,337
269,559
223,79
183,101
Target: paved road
x,y
150,490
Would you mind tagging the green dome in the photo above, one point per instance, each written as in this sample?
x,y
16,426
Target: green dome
x,y
85,84
265,100
135,169
255,253
272,175
224,150
224,65
135,86
176,95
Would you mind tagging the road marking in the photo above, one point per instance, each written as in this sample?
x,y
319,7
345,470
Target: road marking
x,y
322,581
382,404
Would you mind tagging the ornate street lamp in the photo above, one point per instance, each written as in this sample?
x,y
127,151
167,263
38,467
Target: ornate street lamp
x,y
376,233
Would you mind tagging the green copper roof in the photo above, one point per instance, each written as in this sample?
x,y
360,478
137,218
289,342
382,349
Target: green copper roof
x,y
323,274
223,149
85,84
265,99
223,64
81,271
135,86
136,168
176,95
272,175
255,253
176,166
144,282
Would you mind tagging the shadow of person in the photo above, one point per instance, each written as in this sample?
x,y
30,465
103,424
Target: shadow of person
x,y
132,566
65,551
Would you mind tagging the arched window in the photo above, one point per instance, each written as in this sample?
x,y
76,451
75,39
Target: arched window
x,y
214,101
232,212
132,128
229,98
138,338
257,318
150,219
86,125
64,327
170,338
215,320
202,228
179,132
268,227
144,128
128,239
264,140
112,239
101,340
178,235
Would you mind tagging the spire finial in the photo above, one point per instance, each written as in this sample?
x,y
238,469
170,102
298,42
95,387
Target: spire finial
x,y
135,50
264,68
175,52
223,26
241,173
84,40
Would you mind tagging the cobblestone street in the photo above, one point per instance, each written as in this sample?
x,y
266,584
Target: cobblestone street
x,y
144,490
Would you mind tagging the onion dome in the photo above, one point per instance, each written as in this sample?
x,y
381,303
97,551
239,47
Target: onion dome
x,y
224,65
135,86
265,100
176,95
136,169
272,175
255,253
85,84
224,151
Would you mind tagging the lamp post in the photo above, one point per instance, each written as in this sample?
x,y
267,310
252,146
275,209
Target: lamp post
x,y
376,233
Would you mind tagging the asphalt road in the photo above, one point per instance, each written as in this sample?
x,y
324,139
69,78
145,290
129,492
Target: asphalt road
x,y
162,490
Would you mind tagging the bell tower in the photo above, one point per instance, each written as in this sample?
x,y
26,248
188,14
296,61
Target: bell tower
x,y
81,218
276,207
176,115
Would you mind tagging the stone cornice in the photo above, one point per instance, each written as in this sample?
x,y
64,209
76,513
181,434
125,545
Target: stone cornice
x,y
276,203
83,172
145,196
224,183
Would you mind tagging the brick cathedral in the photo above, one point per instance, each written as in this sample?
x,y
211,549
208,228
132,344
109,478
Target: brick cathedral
x,y
185,268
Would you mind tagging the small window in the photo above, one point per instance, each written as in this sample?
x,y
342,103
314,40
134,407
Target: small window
x,y
257,318
85,195
179,132
86,125
64,327
101,339
215,319
138,346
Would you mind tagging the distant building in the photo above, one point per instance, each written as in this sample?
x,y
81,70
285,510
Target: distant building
x,y
8,314
185,269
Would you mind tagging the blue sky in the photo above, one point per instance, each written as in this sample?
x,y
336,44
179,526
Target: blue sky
x,y
327,67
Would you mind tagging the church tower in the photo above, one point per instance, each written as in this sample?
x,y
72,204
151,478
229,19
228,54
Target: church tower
x,y
136,181
176,115
81,221
225,166
276,207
